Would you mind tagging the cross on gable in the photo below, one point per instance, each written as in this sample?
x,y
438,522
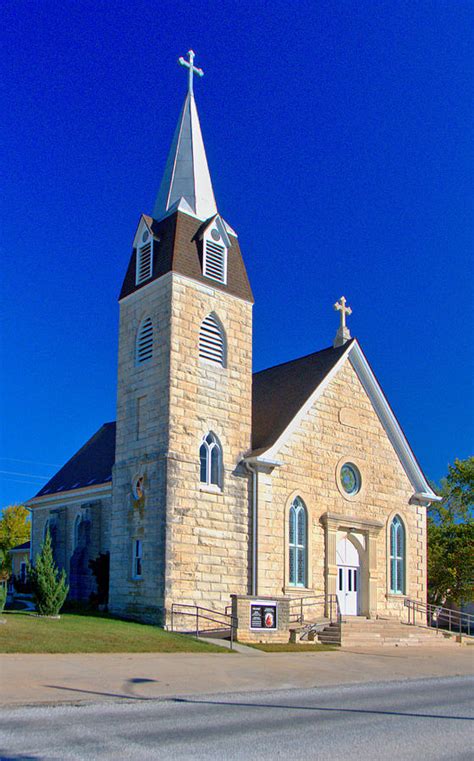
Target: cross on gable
x,y
192,69
343,334
340,306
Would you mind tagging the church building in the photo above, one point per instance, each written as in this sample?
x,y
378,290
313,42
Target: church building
x,y
215,481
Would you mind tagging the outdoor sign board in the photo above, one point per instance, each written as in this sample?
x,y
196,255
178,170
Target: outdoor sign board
x,y
263,615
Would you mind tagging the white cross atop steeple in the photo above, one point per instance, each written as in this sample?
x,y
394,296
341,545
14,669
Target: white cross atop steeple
x,y
186,183
343,335
192,69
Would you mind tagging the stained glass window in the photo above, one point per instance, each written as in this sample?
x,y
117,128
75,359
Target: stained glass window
x,y
297,534
397,556
350,478
210,456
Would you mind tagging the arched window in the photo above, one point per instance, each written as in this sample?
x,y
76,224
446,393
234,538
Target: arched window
x,y
397,556
298,541
210,455
77,524
144,345
212,340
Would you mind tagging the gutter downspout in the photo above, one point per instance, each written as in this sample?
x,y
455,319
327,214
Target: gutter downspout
x,y
254,472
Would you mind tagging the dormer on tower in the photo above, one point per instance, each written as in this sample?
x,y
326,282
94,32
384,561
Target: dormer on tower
x,y
144,243
215,245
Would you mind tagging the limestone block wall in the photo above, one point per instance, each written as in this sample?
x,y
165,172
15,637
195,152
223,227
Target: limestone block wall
x,y
341,426
63,517
141,447
208,529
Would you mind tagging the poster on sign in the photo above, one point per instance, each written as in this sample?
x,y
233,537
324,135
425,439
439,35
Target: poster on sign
x,y
263,615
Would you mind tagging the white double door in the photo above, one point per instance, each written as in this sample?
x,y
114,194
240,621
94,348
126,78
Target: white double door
x,y
348,578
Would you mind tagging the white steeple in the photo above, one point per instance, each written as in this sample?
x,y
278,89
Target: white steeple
x,y
186,183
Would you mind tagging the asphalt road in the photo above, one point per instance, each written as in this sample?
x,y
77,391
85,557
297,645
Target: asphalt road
x,y
414,719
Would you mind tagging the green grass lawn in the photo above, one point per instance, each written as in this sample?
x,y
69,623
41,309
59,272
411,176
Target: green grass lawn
x,y
77,633
291,647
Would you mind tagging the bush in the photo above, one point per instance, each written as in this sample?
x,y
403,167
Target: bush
x,y
100,567
3,596
48,585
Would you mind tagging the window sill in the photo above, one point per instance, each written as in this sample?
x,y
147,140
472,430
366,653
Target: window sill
x,y
210,488
137,578
396,595
296,590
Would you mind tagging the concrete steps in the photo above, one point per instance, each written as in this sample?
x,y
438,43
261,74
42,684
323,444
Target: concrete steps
x,y
357,631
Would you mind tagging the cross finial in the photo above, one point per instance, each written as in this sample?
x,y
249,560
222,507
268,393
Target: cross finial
x,y
343,335
192,69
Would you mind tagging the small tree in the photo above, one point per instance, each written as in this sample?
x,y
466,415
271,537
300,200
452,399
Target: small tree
x,y
14,526
451,537
49,586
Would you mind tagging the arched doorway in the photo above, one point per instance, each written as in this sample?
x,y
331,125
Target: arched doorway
x,y
348,577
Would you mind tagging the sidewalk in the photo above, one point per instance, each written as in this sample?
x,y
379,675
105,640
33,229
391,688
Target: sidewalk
x,y
92,678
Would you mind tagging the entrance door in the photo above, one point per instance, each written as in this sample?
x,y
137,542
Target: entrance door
x,y
348,587
348,578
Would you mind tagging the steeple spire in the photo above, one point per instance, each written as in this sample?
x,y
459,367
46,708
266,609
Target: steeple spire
x,y
186,183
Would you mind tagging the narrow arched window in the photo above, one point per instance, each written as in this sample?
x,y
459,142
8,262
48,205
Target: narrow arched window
x,y
298,541
210,455
397,556
77,525
212,340
144,343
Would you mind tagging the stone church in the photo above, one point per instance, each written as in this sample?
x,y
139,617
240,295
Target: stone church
x,y
296,480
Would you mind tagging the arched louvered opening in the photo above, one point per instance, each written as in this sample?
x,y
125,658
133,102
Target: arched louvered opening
x,y
298,541
215,259
210,456
212,344
144,346
144,259
397,556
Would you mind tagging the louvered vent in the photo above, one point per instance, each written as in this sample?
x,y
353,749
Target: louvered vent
x,y
211,341
144,262
214,263
145,341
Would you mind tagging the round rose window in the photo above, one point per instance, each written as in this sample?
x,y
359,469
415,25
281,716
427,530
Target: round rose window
x,y
350,478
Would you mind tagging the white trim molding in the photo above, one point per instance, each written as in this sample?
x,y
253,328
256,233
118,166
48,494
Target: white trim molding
x,y
423,492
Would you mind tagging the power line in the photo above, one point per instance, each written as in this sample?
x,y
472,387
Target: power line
x,y
31,462
28,475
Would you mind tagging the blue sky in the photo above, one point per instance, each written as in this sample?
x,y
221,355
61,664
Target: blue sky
x,y
339,144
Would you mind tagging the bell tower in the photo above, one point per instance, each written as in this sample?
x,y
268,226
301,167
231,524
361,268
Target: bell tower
x,y
180,508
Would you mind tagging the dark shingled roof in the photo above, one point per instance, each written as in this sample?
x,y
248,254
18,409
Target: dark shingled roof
x,y
279,392
179,250
90,466
25,546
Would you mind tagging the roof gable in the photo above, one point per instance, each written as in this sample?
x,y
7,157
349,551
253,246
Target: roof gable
x,y
293,388
280,393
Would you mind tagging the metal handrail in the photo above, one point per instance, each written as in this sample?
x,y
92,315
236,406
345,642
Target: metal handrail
x,y
435,614
331,606
200,613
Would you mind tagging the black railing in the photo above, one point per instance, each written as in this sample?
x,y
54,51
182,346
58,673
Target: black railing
x,y
439,618
201,617
305,607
